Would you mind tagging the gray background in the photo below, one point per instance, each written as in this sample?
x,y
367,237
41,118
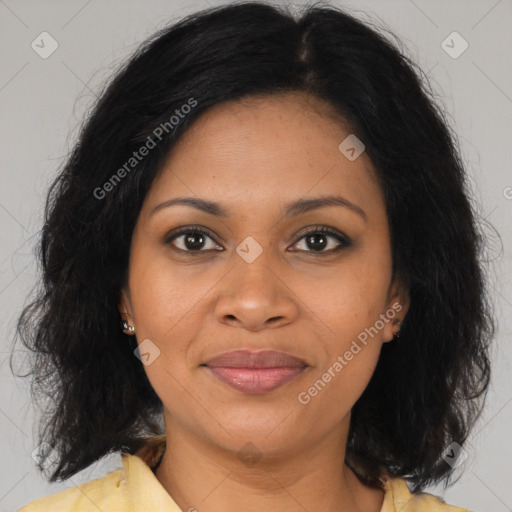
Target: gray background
x,y
42,102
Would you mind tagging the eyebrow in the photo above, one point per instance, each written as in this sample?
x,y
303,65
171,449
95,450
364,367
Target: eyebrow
x,y
291,209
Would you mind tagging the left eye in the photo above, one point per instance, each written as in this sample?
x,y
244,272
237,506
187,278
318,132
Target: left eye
x,y
318,240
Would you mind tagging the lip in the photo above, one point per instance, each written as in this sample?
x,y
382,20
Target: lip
x,y
255,359
255,372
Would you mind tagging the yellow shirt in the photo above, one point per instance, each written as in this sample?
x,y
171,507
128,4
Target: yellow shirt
x,y
135,488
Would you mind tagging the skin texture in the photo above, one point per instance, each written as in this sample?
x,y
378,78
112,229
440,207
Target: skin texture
x,y
254,157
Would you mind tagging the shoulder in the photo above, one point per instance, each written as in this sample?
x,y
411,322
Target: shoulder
x,y
398,497
106,493
131,488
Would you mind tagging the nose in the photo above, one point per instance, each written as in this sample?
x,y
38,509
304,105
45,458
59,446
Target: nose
x,y
253,296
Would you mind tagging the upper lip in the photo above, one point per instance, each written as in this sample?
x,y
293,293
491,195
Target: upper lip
x,y
253,359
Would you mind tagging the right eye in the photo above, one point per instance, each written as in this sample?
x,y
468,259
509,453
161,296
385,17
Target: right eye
x,y
191,239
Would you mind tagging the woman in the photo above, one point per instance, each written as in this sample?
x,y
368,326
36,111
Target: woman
x,y
264,238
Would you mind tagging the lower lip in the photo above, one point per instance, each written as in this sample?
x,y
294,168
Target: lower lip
x,y
256,380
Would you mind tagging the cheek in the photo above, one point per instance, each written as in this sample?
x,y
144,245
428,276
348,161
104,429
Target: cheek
x,y
356,375
351,301
335,387
166,299
166,314
167,309
350,305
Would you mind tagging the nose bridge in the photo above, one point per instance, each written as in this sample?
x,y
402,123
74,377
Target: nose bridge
x,y
253,293
255,271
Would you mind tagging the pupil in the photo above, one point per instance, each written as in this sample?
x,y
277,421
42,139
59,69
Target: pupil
x,y
189,241
313,245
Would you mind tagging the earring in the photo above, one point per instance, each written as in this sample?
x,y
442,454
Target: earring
x,y
128,329
397,333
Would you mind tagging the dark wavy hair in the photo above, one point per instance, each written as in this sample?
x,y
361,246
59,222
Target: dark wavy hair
x,y
428,388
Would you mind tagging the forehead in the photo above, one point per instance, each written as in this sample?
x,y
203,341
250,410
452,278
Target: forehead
x,y
272,149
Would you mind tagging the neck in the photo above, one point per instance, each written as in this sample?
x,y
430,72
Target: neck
x,y
199,475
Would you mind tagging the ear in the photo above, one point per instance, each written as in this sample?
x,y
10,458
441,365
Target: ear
x,y
396,310
125,306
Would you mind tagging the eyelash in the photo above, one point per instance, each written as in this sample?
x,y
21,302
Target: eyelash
x,y
322,230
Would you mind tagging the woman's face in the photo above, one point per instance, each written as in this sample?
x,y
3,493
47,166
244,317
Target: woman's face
x,y
256,282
